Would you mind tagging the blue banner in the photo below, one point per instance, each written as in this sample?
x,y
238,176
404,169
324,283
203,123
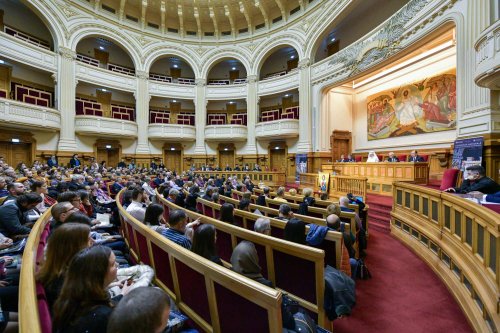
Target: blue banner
x,y
300,165
467,152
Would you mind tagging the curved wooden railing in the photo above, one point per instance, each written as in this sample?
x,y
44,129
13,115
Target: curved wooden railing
x,y
201,299
460,241
269,178
29,319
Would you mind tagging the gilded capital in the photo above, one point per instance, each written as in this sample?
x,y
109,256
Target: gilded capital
x,y
67,53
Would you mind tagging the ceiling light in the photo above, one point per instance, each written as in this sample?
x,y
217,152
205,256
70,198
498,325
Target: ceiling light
x,y
15,140
101,47
2,62
292,57
173,148
234,68
174,101
333,39
276,147
287,95
225,148
104,90
108,146
176,66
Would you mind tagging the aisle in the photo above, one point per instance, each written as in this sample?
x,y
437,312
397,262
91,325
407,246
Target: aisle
x,y
404,295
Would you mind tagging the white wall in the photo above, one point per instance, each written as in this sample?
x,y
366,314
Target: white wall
x,y
117,55
163,65
431,66
46,141
221,69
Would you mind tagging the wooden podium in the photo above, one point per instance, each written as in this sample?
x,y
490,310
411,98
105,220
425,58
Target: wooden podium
x,y
381,175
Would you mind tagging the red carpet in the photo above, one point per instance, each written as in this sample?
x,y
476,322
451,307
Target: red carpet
x,y
403,296
379,213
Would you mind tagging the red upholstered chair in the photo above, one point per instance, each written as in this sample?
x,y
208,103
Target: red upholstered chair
x,y
425,157
380,158
450,177
402,158
43,309
358,158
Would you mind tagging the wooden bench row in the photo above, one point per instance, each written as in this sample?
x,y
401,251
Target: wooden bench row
x,y
203,290
297,270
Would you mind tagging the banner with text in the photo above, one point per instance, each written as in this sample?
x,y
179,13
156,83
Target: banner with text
x,y
467,152
300,165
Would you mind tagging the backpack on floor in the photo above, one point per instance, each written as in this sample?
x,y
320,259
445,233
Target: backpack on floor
x,y
295,317
362,271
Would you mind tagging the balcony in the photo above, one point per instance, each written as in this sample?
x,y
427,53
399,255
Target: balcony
x,y
226,133
28,116
173,132
104,77
106,127
279,84
171,90
27,53
283,128
487,47
223,92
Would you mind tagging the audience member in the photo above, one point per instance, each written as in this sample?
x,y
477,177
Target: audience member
x,y
204,243
84,304
227,213
262,226
295,231
142,310
476,181
60,213
292,192
140,201
244,205
178,228
3,188
13,220
154,219
285,212
261,200
280,194
15,190
62,245
245,261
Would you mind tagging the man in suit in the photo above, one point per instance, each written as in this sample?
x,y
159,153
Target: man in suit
x,y
476,181
153,165
257,168
495,197
74,162
392,158
343,159
228,168
414,157
237,168
52,162
122,164
246,167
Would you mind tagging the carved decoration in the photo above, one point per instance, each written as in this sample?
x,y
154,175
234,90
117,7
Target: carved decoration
x,y
67,53
142,75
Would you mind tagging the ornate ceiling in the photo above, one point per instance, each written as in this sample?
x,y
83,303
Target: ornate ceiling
x,y
204,18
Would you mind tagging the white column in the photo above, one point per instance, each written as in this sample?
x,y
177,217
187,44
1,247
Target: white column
x,y
304,145
200,104
66,85
476,114
142,112
252,113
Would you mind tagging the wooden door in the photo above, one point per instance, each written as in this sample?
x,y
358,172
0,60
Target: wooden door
x,y
278,160
340,142
102,155
21,153
173,160
113,158
226,157
5,152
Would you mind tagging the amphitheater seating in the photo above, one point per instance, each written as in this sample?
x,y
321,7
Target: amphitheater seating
x,y
27,94
239,119
87,60
87,107
160,77
332,244
121,69
205,291
123,112
159,116
26,37
290,113
217,119
450,177
270,115
296,269
186,119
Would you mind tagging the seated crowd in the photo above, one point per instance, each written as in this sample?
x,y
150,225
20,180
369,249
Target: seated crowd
x,y
86,272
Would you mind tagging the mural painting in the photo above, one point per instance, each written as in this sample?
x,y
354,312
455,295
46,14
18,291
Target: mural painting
x,y
426,106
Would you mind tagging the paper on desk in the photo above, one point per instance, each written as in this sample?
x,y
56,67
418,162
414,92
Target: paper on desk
x,y
104,219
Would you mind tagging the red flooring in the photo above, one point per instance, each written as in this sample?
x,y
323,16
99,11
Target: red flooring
x,y
403,296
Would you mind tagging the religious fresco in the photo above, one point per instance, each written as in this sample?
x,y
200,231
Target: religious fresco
x,y
426,106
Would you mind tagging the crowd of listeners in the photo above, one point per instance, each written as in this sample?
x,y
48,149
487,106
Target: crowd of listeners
x,y
84,254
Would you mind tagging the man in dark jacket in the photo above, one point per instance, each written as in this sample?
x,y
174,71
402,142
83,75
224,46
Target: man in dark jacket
x,y
74,162
476,181
12,217
414,157
261,200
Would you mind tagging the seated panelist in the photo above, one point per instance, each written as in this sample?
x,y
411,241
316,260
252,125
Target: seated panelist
x,y
392,158
414,157
476,181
